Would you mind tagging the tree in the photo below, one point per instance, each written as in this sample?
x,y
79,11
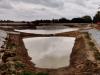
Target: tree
x,y
84,19
64,20
77,20
87,19
97,17
55,21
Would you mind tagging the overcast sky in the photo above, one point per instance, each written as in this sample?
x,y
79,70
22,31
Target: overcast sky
x,y
46,9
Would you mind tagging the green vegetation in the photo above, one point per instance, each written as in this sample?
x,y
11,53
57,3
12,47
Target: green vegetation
x,y
87,19
31,73
19,65
11,46
97,17
41,73
27,73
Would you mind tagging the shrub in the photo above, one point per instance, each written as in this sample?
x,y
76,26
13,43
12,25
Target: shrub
x,y
27,73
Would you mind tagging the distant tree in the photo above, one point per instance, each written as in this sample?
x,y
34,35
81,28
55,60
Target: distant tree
x,y
84,19
97,17
61,20
6,21
87,19
64,20
23,21
55,21
77,20
35,22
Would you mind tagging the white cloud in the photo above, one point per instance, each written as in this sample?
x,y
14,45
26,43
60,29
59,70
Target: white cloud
x,y
49,3
5,4
46,9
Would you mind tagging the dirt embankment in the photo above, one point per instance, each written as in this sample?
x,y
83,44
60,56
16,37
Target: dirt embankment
x,y
69,34
21,51
79,62
65,34
98,27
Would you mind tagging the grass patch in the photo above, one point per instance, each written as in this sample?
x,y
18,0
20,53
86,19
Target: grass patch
x,y
41,73
27,73
33,73
19,65
97,55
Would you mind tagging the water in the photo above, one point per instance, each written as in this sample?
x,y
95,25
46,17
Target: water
x,y
48,31
53,27
50,52
96,35
3,35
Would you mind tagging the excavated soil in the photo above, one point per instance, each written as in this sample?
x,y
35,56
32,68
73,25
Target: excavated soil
x,y
79,62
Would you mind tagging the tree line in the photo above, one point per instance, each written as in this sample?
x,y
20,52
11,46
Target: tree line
x,y
84,19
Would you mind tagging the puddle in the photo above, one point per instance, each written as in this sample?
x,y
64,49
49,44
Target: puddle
x,y
50,52
96,35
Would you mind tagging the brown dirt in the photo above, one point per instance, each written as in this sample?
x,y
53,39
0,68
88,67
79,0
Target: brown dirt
x,y
79,63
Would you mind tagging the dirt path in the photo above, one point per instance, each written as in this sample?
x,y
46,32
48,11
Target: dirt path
x,y
88,48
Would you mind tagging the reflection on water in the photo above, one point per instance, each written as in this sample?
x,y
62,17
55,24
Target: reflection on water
x,y
50,52
48,31
95,34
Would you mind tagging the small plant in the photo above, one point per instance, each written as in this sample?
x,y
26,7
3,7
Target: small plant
x,y
27,73
19,65
41,73
31,73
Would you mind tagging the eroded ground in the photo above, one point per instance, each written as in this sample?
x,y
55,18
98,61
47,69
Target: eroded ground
x,y
85,57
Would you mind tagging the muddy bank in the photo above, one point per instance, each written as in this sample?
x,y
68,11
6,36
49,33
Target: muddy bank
x,y
79,63
65,34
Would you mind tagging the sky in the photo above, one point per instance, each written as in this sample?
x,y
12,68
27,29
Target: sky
x,y
29,10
